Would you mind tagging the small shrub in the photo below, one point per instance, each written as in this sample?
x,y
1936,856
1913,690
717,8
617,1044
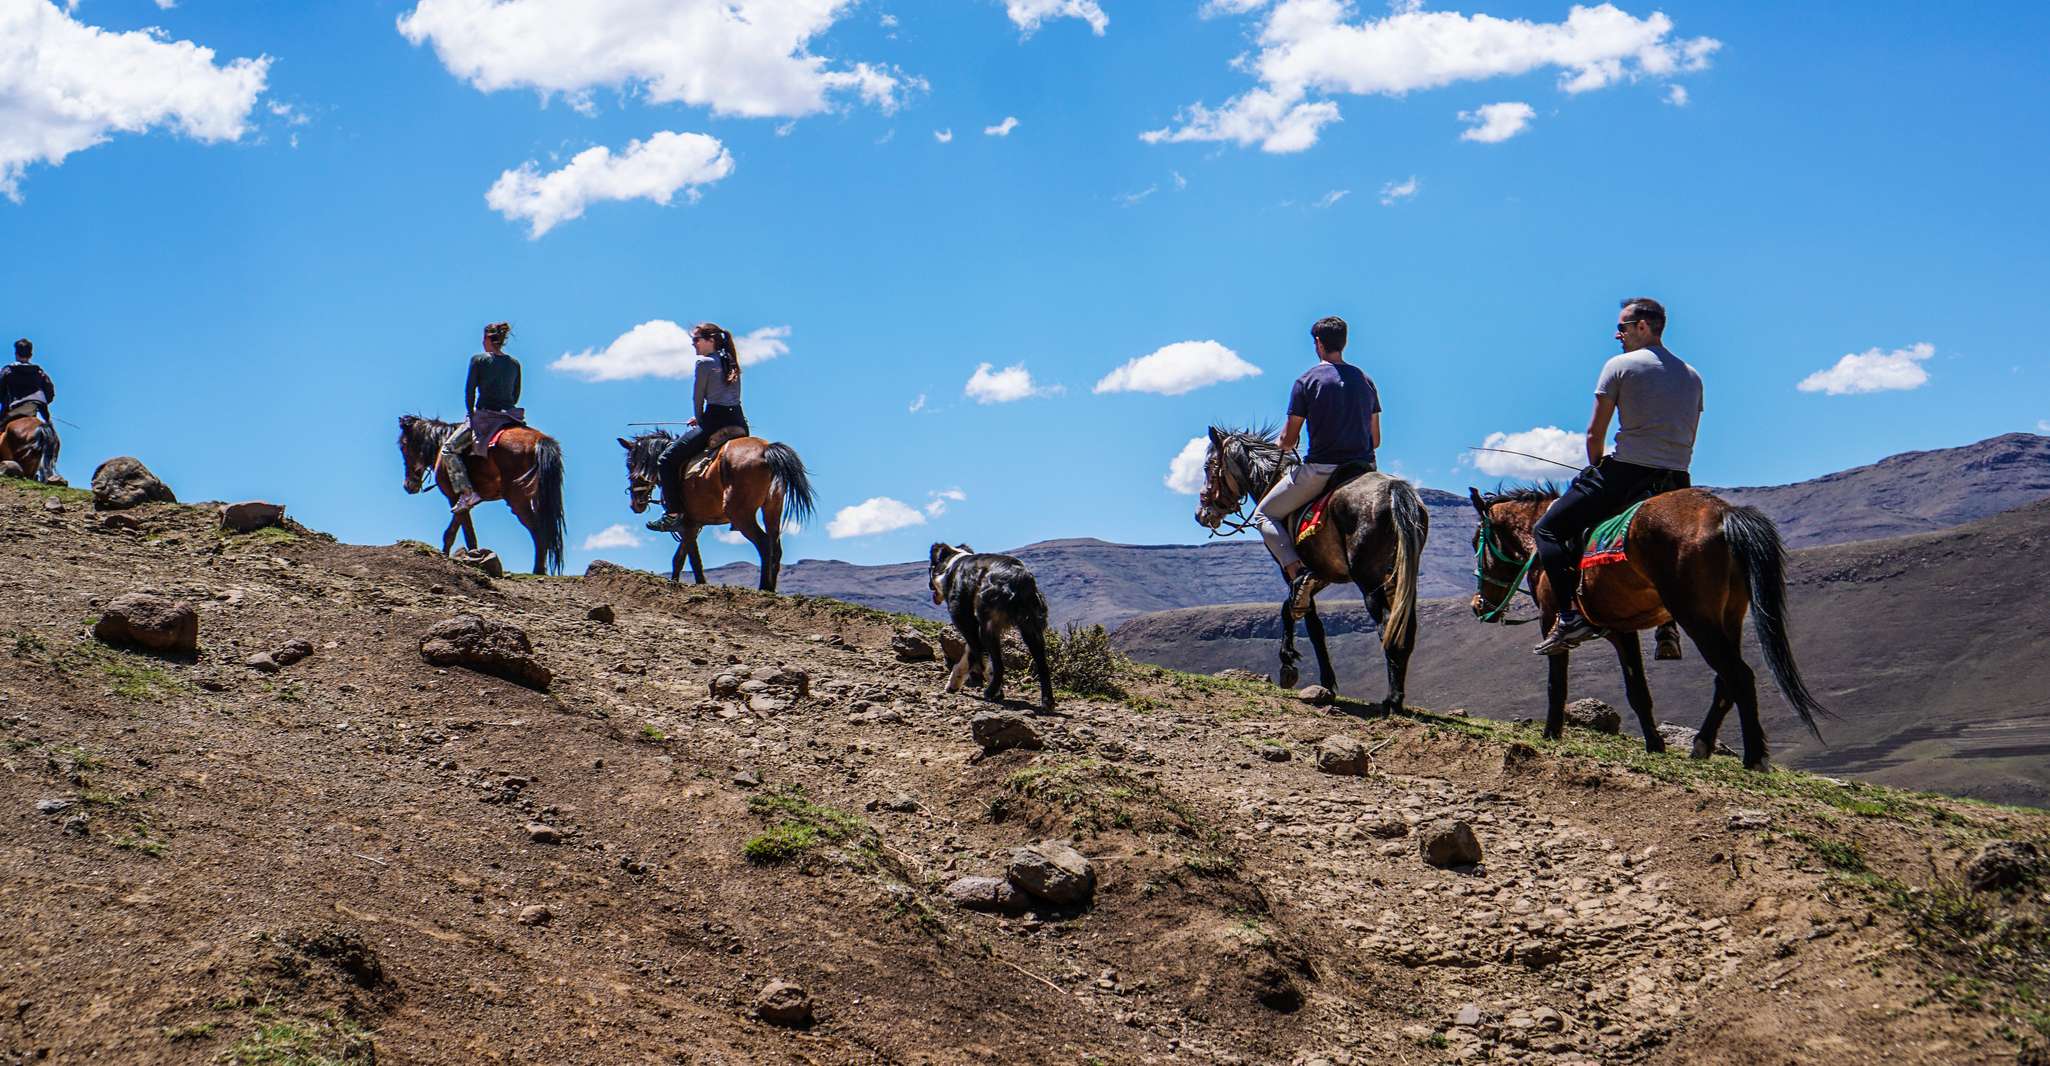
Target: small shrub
x,y
1083,661
782,843
801,825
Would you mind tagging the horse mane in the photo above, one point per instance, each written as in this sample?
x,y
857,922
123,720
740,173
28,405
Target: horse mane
x,y
423,436
1265,460
646,446
1535,492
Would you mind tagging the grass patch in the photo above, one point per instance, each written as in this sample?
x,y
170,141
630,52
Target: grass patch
x,y
651,734
1839,855
192,1031
28,645
300,1042
268,536
802,825
130,676
1082,661
1095,797
62,492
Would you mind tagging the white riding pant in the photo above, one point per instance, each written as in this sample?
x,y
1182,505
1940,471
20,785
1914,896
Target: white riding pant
x,y
1292,493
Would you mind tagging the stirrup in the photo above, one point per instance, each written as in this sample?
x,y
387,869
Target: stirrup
x,y
670,522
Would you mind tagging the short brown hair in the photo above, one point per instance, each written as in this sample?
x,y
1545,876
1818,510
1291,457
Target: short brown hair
x,y
1330,332
1645,309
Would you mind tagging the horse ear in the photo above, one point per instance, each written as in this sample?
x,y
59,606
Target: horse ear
x,y
1478,503
625,443
1216,440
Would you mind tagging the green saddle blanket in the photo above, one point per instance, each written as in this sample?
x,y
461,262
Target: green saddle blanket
x,y
1606,543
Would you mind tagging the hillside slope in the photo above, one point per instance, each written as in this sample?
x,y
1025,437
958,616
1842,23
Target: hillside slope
x,y
1923,645
364,855
1097,581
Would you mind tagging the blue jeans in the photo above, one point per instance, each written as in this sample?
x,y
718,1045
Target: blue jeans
x,y
679,452
1597,495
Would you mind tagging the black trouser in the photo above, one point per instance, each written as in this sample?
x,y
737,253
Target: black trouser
x,y
686,446
1597,495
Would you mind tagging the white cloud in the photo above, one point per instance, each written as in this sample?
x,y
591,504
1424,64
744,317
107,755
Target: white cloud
x,y
662,349
1185,470
1495,123
747,58
1002,129
877,514
612,536
2043,425
1394,191
1013,382
1028,14
1331,198
1180,182
1550,442
1308,51
1676,95
1873,371
945,136
647,170
1131,198
66,86
1184,366
918,404
937,504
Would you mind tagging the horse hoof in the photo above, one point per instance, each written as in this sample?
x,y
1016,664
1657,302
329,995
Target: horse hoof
x,y
1654,744
1289,676
1762,765
1703,748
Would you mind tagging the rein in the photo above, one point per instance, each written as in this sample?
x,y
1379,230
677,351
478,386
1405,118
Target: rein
x,y
1485,552
1238,521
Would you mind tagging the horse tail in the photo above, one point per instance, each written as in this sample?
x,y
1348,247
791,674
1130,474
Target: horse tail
x,y
548,518
47,444
1755,543
788,471
1411,526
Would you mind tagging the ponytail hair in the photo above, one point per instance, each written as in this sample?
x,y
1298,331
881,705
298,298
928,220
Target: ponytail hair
x,y
722,349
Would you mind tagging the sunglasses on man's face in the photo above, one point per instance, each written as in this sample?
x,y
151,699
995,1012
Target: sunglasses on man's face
x,y
1624,327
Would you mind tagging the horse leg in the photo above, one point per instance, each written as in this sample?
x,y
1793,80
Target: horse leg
x,y
448,536
772,529
1288,675
690,547
765,549
469,532
1630,653
1395,655
1316,627
1722,649
1704,738
1555,696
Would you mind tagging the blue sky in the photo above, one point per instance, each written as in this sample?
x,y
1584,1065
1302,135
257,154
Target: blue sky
x,y
244,273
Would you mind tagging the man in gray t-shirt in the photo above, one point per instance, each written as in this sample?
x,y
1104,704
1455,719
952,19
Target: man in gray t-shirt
x,y
1656,400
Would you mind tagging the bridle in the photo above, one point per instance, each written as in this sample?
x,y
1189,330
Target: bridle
x,y
1238,521
1485,551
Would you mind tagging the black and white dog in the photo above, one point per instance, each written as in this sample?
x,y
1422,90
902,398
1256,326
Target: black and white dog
x,y
987,594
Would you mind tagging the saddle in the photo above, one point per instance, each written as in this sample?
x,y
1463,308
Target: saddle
x,y
26,409
485,426
714,444
1606,542
1309,521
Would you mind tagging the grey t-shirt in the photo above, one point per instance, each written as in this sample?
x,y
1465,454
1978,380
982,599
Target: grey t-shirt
x,y
712,387
1658,407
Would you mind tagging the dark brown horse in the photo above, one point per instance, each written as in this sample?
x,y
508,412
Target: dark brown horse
x,y
1691,558
524,469
748,476
1372,537
32,444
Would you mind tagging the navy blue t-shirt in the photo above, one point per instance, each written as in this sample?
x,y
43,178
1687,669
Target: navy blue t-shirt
x,y
1337,400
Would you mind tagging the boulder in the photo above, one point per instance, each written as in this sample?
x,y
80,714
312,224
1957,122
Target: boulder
x,y
151,623
910,647
784,1003
602,613
10,468
123,482
1749,820
985,894
2002,864
493,648
1001,731
262,662
250,515
292,651
1052,871
1594,714
542,833
952,647
481,559
1448,842
1341,754
1682,737
1316,695
538,914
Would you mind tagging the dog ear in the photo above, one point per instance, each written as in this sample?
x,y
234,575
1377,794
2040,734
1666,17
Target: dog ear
x,y
938,552
965,549
625,443
1479,504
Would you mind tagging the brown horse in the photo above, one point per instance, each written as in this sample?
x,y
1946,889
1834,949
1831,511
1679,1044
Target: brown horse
x,y
1372,537
524,469
1690,558
747,476
32,444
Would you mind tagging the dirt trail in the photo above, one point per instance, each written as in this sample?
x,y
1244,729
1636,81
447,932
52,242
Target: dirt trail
x,y
203,862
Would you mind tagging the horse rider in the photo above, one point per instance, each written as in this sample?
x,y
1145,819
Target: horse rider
x,y
491,397
1343,410
715,404
1657,400
23,382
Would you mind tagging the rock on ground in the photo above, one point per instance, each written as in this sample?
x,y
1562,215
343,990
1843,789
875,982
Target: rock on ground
x,y
1682,737
250,515
1745,820
602,613
493,648
123,482
1316,695
910,647
1052,871
482,559
952,647
784,1003
151,623
1448,842
2002,864
1001,731
1596,715
1342,754
985,894
11,468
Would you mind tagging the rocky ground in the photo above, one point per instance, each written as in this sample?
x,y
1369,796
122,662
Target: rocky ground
x,y
735,827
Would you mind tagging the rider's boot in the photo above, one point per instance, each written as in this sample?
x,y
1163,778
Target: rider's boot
x,y
1302,591
1569,632
465,501
670,522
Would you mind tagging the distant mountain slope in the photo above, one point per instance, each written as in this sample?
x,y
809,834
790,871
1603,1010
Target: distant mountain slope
x,y
1933,648
1088,580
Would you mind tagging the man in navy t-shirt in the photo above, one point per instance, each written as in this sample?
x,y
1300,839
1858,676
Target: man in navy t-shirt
x,y
1343,411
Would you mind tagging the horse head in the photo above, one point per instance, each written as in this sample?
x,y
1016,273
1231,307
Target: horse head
x,y
1222,489
420,441
642,466
1504,548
